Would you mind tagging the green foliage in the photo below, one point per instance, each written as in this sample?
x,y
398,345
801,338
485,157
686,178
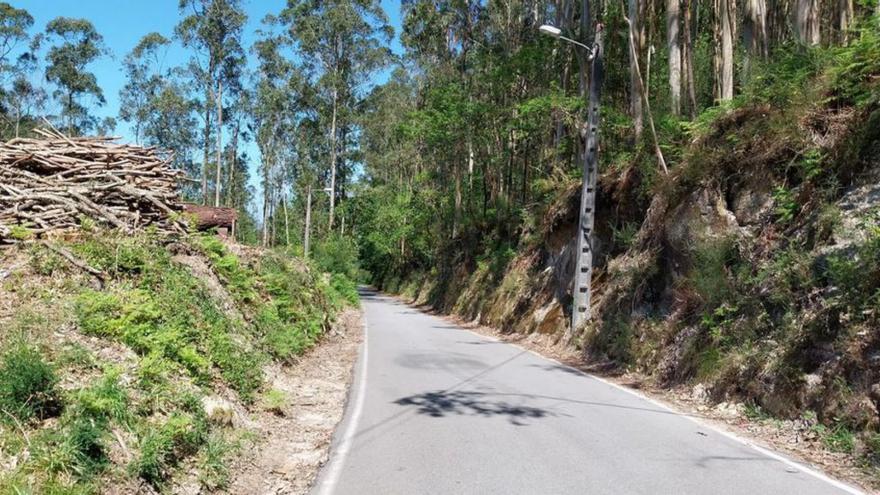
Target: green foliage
x,y
162,446
785,78
27,384
20,232
168,317
785,205
275,401
343,290
238,281
838,437
710,276
337,254
857,65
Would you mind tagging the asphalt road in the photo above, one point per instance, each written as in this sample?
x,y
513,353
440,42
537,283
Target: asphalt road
x,y
436,409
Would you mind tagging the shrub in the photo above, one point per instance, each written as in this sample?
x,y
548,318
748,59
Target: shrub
x,y
27,384
344,289
164,446
337,254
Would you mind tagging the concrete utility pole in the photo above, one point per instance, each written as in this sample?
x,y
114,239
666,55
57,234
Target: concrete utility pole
x,y
580,311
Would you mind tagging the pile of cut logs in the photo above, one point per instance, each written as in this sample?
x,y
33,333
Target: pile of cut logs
x,y
58,182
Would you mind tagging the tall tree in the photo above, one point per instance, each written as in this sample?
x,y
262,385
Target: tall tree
x,y
635,36
725,25
21,96
14,24
807,21
76,45
144,74
673,45
212,28
344,42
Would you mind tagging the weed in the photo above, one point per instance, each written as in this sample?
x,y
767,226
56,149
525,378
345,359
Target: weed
x,y
75,355
344,289
838,437
275,401
163,446
20,232
710,275
785,206
213,471
27,384
755,412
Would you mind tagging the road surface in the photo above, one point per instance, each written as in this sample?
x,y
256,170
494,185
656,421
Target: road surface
x,y
435,409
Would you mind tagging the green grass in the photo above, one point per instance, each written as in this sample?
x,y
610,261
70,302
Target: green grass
x,y
27,385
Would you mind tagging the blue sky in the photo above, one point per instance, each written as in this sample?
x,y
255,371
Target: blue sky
x,y
122,23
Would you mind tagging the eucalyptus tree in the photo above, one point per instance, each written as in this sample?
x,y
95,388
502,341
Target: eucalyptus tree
x,y
14,26
76,44
343,43
212,29
171,125
271,115
144,81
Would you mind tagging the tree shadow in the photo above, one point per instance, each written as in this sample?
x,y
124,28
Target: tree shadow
x,y
443,403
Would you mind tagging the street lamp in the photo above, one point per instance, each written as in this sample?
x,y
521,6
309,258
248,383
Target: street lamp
x,y
555,32
583,273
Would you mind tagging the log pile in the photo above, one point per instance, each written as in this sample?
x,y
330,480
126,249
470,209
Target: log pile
x,y
57,182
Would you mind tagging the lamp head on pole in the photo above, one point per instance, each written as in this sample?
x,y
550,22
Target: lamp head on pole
x,y
550,30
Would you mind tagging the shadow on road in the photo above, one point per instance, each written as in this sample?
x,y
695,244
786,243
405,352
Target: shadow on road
x,y
442,403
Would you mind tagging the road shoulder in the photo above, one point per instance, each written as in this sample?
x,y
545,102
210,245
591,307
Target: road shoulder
x,y
292,442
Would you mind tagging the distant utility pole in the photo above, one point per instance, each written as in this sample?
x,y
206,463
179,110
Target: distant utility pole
x,y
583,273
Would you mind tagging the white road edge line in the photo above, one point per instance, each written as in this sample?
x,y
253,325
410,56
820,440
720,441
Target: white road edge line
x,y
733,436
340,453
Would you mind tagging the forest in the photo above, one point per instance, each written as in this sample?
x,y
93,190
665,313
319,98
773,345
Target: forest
x,y
476,125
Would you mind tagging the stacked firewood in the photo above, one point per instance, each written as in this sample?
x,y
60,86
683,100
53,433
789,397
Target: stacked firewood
x,y
58,182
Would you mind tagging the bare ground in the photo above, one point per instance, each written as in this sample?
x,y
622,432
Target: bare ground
x,y
292,442
795,438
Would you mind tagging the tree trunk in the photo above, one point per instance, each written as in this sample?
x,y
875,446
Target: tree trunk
x,y
807,22
674,48
643,96
333,158
754,33
845,18
688,59
634,94
286,219
206,217
724,33
207,152
219,142
265,240
233,161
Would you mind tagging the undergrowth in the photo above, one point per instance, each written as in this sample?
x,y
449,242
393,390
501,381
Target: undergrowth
x,y
142,418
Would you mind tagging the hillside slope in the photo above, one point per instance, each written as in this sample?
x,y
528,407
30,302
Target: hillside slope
x,y
129,364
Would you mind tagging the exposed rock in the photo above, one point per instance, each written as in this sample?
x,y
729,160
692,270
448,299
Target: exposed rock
x,y
700,393
549,318
218,410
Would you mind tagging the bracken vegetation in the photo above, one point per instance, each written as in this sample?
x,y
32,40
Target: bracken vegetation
x,y
104,383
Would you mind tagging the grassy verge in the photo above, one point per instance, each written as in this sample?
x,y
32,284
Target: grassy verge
x,y
106,385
